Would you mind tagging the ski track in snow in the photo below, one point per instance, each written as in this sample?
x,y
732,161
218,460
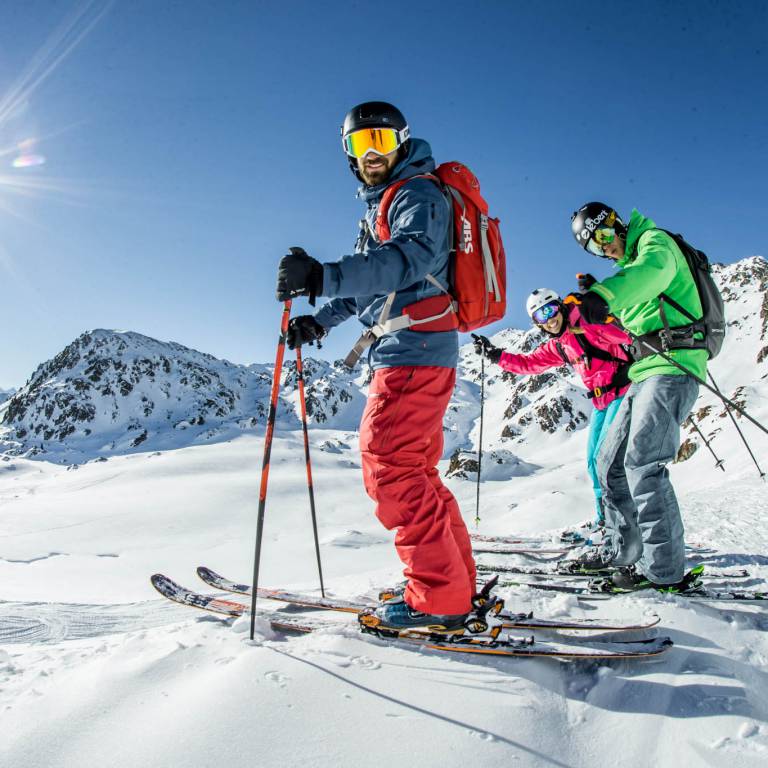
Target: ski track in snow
x,y
163,676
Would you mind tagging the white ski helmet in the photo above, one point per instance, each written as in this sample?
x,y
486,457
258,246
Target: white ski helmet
x,y
538,299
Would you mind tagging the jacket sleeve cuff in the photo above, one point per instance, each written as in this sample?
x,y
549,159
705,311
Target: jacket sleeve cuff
x,y
330,280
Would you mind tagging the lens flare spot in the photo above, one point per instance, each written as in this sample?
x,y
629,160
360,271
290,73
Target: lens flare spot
x,y
28,161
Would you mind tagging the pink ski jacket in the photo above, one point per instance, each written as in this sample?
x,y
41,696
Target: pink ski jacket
x,y
597,374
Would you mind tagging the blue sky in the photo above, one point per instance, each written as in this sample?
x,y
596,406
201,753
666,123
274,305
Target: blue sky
x,y
189,143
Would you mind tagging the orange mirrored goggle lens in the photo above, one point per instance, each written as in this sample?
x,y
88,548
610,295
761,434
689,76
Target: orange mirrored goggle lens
x,y
382,141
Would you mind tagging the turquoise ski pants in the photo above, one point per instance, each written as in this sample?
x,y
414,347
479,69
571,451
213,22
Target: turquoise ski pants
x,y
599,424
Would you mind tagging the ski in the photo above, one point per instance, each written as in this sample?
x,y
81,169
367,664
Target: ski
x,y
545,543
600,589
533,542
494,645
541,553
534,570
508,620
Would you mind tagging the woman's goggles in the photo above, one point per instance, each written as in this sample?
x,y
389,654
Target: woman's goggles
x,y
601,237
546,313
382,141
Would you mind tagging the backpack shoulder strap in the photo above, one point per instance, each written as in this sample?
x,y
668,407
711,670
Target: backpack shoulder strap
x,y
685,248
562,353
382,230
591,351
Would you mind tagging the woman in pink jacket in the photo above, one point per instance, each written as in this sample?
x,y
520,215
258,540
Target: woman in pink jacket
x,y
598,353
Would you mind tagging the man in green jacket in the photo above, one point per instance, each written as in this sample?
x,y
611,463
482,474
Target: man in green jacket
x,y
645,436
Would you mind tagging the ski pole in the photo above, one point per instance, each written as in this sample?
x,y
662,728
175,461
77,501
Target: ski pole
x,y
718,462
267,453
738,428
303,402
480,443
701,381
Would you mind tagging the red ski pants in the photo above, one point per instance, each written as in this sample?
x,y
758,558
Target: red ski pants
x,y
401,441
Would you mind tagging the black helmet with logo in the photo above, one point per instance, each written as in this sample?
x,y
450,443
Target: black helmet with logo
x,y
591,217
374,114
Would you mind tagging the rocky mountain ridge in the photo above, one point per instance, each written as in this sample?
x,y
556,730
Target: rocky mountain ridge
x,y
112,392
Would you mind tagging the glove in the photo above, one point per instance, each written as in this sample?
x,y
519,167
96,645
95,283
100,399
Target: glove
x,y
299,275
304,329
586,281
483,346
593,308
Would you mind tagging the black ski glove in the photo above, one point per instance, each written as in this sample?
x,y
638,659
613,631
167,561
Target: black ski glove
x,y
299,275
593,308
483,346
304,329
586,281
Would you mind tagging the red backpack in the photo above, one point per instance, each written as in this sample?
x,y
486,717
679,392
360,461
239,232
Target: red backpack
x,y
478,274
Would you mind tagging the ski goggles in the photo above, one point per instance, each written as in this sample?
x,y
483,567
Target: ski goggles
x,y
382,141
601,237
546,313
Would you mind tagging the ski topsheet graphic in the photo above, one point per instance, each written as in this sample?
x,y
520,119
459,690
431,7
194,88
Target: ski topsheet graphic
x,y
494,644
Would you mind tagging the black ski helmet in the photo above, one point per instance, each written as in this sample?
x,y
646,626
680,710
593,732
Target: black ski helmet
x,y
373,114
589,217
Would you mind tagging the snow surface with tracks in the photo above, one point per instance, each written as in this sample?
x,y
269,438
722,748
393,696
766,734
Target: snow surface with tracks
x,y
96,669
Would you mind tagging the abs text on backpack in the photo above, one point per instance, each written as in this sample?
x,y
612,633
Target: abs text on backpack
x,y
477,290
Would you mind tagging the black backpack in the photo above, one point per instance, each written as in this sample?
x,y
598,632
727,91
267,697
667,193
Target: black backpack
x,y
712,323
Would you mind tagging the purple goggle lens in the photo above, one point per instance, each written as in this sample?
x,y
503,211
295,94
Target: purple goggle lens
x,y
547,312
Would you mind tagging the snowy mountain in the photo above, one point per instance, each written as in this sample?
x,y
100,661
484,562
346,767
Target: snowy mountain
x,y
112,392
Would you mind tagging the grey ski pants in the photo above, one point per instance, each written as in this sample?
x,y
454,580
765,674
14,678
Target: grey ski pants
x,y
642,514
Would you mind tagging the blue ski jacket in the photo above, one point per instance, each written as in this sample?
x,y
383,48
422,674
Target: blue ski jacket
x,y
420,222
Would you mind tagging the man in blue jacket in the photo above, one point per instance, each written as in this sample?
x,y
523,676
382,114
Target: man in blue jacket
x,y
396,283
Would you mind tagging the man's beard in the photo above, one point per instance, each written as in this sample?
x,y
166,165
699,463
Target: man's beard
x,y
374,178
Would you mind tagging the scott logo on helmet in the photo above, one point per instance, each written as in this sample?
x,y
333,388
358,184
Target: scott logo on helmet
x,y
593,224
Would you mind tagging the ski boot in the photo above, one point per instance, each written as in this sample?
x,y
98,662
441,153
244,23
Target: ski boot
x,y
395,615
591,559
478,600
588,532
577,568
629,579
392,592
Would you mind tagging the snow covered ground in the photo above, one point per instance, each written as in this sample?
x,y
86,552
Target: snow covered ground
x,y
95,669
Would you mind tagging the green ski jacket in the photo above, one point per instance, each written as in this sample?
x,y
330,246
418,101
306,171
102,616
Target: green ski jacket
x,y
653,264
